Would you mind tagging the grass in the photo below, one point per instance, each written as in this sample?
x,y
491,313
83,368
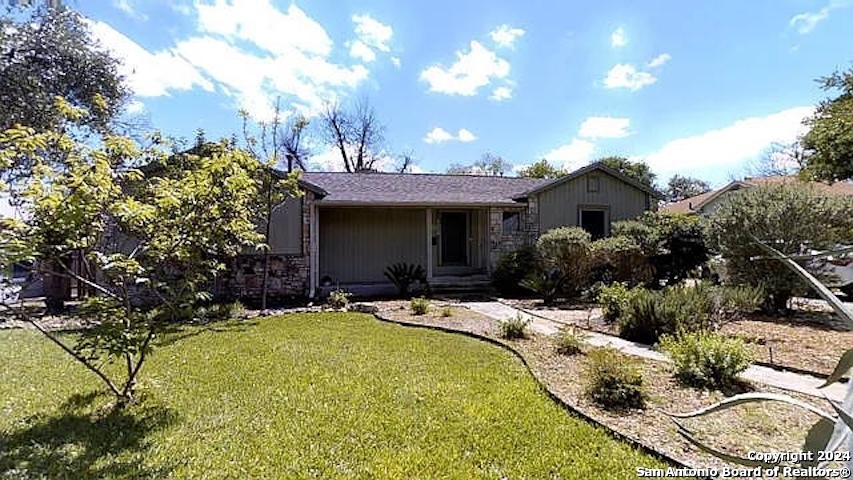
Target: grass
x,y
300,396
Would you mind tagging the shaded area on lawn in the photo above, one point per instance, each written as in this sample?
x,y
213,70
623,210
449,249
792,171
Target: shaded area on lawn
x,y
81,441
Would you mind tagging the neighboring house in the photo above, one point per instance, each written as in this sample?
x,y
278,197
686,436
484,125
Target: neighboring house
x,y
706,203
348,227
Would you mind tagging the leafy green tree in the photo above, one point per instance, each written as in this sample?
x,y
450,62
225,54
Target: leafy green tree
x,y
829,141
47,52
542,169
636,170
680,187
791,218
155,236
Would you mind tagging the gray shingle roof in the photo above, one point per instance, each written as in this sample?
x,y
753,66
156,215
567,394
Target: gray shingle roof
x,y
418,189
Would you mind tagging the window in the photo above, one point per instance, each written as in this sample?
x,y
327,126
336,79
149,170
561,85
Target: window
x,y
511,222
594,221
592,184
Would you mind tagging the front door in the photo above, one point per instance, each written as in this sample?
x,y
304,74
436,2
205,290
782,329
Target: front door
x,y
454,238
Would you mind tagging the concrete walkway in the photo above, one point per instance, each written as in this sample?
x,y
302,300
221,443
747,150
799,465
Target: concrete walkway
x,y
794,382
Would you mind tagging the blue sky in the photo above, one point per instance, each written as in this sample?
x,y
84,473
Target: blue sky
x,y
696,88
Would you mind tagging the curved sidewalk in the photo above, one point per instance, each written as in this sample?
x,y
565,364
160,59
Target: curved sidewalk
x,y
790,381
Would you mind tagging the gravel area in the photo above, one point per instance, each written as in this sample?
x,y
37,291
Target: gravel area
x,y
758,427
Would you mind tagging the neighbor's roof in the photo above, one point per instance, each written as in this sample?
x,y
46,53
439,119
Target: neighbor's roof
x,y
402,189
695,203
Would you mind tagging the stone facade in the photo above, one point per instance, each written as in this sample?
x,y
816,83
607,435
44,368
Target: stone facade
x,y
501,242
289,275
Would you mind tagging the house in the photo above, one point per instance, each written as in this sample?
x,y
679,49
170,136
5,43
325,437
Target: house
x,y
348,227
706,203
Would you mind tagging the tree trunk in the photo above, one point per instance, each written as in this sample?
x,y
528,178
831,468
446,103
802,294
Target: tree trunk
x,y
54,288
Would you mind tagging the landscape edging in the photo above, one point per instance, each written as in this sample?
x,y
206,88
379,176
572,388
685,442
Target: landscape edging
x,y
553,396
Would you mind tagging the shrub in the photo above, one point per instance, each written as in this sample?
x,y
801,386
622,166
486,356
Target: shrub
x,y
512,268
674,244
546,285
788,217
613,380
339,298
565,258
569,340
620,259
647,315
446,311
404,275
419,306
514,327
614,299
706,359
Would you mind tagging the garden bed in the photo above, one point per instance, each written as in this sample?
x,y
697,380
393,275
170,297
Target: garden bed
x,y
810,340
757,427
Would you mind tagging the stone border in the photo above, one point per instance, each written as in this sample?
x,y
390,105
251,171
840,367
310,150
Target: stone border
x,y
553,396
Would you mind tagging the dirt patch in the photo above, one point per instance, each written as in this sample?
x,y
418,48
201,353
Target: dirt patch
x,y
757,427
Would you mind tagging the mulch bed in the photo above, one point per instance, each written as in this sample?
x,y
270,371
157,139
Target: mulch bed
x,y
758,427
810,340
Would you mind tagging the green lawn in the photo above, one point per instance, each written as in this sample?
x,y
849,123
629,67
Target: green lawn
x,y
300,396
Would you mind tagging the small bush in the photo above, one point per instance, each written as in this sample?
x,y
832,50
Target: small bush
x,y
514,327
546,285
446,311
569,340
614,299
565,256
613,380
512,268
404,275
339,298
419,306
620,259
706,359
648,315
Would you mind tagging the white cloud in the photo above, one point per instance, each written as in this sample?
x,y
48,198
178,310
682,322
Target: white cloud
x,y
501,93
604,127
135,107
361,51
440,135
505,36
730,146
660,60
572,155
149,74
617,38
329,160
464,135
472,70
396,62
807,21
127,7
253,52
627,76
372,32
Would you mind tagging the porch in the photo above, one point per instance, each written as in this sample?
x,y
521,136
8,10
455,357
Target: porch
x,y
356,244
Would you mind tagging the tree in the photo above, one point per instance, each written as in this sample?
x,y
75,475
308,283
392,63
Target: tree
x,y
829,141
47,53
355,132
541,169
679,188
780,159
637,170
488,164
789,217
155,236
268,148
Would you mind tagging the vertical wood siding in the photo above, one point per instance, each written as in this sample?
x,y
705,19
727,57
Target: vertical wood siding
x,y
558,206
356,244
286,228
